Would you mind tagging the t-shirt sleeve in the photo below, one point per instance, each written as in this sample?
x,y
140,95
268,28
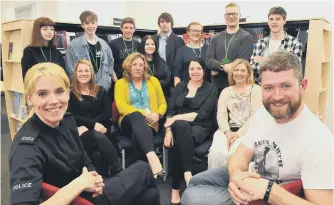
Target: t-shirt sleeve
x,y
317,166
250,136
26,165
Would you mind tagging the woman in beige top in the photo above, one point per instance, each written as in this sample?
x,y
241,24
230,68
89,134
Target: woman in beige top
x,y
236,106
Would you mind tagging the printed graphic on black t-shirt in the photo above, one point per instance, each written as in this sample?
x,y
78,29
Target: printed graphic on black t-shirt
x,y
268,159
127,50
95,55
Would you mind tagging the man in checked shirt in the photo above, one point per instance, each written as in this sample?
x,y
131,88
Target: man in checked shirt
x,y
278,40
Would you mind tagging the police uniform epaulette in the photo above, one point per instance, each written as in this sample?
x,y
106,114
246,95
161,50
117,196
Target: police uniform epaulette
x,y
28,133
67,114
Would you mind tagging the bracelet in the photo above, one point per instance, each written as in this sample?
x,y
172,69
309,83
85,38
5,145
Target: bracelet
x,y
266,195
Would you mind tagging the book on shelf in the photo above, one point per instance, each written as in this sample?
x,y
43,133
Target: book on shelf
x,y
16,104
10,50
18,126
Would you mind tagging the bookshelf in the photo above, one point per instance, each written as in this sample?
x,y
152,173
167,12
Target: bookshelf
x,y
316,37
15,37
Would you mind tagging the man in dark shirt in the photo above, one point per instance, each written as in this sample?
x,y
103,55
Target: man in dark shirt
x,y
227,46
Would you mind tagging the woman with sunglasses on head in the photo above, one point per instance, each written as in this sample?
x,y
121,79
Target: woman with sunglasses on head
x,y
192,50
157,65
42,47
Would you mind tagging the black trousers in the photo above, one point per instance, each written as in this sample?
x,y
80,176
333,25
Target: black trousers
x,y
135,125
186,137
96,141
133,186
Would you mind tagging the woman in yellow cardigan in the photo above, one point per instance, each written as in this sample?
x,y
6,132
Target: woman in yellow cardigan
x,y
141,104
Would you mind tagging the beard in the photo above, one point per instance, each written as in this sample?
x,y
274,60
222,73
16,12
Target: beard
x,y
288,109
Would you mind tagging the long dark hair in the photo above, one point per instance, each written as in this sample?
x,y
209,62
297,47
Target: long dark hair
x,y
156,59
36,37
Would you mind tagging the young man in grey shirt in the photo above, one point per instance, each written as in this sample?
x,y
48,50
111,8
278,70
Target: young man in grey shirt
x,y
227,46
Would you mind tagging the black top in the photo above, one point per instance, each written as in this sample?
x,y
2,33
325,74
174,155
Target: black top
x,y
34,55
120,52
203,103
88,110
40,153
184,55
95,55
161,71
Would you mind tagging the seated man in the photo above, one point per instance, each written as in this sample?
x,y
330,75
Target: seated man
x,y
284,139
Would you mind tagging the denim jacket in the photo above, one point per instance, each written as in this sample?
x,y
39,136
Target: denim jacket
x,y
78,50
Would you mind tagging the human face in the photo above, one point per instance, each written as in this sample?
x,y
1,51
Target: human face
x,y
282,94
195,33
84,75
89,27
196,71
47,33
240,74
127,30
50,100
165,26
149,46
137,68
276,23
232,15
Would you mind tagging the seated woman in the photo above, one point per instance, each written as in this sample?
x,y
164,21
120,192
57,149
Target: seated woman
x,y
42,47
236,106
48,149
141,104
91,107
192,50
189,122
157,65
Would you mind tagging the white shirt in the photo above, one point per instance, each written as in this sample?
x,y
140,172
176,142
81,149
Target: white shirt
x,y
300,149
273,47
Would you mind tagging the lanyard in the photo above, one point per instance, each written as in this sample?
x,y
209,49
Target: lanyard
x,y
127,47
90,51
152,69
44,55
228,45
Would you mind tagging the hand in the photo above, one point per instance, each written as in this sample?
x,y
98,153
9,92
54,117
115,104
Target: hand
x,y
168,141
238,196
169,122
259,59
257,187
214,73
233,139
152,118
226,67
100,128
82,129
229,136
91,182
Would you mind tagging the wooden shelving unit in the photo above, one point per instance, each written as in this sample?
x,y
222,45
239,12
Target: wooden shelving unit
x,y
18,34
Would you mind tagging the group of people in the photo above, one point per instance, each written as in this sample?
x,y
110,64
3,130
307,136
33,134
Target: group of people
x,y
265,135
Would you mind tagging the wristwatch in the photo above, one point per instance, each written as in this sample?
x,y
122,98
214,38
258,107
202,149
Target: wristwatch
x,y
266,195
160,116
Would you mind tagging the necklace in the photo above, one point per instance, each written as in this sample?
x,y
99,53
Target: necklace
x,y
226,60
200,51
127,47
44,54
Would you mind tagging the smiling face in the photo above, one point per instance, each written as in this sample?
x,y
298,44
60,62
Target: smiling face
x,y
137,68
240,74
195,33
47,32
282,94
149,46
50,100
196,71
232,15
276,23
84,74
89,27
127,30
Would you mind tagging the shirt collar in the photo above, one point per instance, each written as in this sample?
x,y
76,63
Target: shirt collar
x,y
167,36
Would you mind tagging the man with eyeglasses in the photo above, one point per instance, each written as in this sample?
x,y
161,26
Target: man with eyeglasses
x,y
227,46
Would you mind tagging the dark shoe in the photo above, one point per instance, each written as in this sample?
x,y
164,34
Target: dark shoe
x,y
160,174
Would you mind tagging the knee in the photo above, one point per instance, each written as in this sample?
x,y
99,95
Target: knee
x,y
99,136
191,197
141,166
136,115
180,125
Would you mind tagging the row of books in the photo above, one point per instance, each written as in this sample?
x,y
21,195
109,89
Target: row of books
x,y
19,108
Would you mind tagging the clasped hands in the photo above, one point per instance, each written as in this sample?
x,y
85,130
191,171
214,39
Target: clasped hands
x,y
91,182
245,187
151,118
226,68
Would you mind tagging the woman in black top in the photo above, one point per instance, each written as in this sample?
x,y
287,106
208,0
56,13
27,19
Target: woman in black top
x,y
47,149
157,65
91,107
189,122
42,47
192,50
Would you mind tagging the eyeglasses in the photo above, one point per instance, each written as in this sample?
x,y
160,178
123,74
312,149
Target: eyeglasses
x,y
234,15
195,31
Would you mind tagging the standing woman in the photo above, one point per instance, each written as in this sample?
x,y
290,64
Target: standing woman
x,y
192,50
42,47
157,65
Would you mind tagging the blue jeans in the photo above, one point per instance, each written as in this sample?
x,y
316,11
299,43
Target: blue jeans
x,y
208,188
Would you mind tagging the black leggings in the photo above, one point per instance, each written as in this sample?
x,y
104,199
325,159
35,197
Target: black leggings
x,y
185,137
96,141
135,125
133,186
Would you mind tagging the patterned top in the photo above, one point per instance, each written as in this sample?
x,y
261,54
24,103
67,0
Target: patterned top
x,y
289,44
139,98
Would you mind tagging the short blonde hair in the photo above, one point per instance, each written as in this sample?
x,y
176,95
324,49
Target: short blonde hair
x,y
127,64
194,23
250,79
232,5
44,70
